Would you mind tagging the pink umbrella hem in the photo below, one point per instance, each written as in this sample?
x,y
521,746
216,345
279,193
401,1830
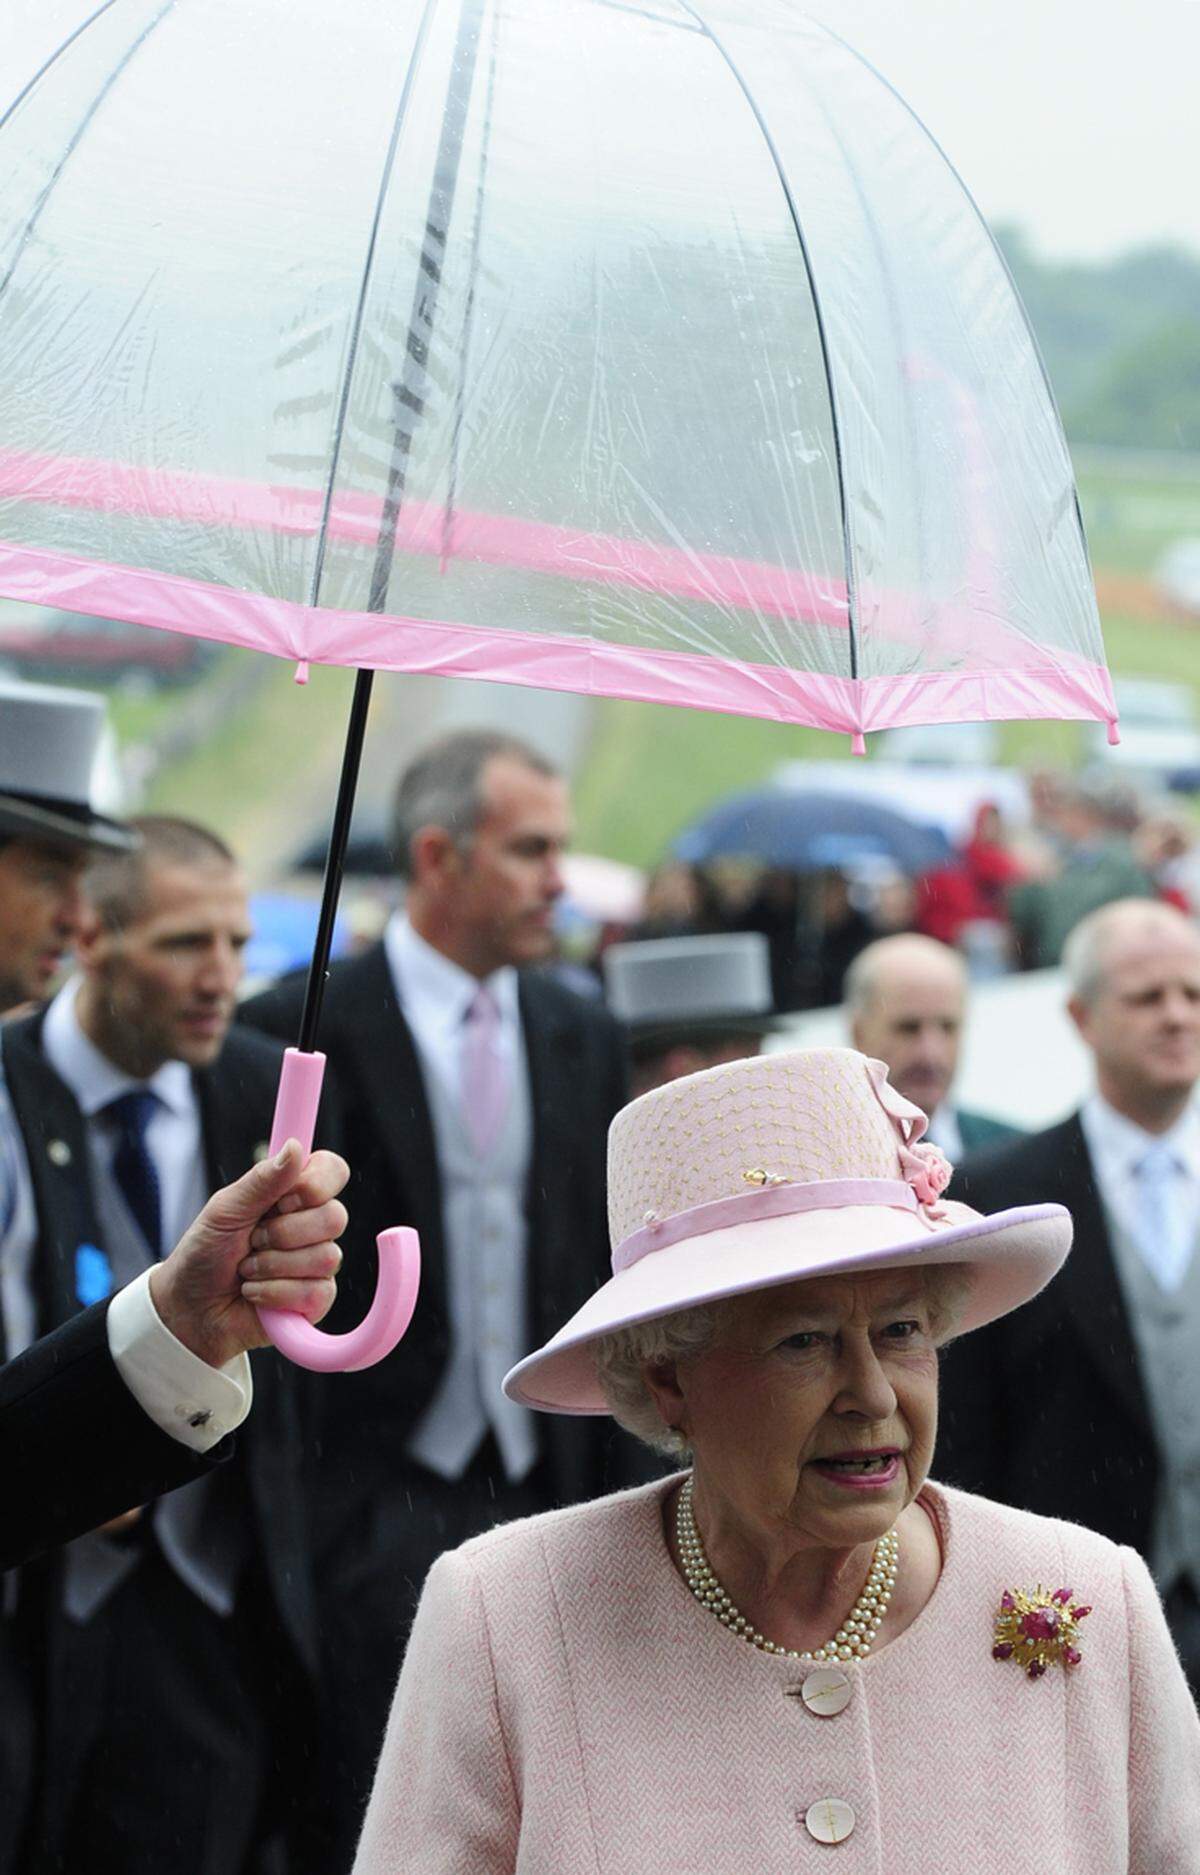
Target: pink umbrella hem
x,y
1073,689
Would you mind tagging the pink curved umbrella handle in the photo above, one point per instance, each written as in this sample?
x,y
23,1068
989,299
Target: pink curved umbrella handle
x,y
399,1252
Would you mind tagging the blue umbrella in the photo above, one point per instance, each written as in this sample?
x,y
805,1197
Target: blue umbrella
x,y
284,930
805,831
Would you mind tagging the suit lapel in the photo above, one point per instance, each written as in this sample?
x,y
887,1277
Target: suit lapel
x,y
1089,1286
59,1167
552,1051
382,1070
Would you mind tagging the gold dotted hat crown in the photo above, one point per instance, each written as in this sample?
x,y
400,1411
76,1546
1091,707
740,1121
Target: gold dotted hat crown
x,y
799,1116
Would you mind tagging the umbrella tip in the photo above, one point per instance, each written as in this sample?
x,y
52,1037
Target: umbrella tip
x,y
301,676
858,743
1114,733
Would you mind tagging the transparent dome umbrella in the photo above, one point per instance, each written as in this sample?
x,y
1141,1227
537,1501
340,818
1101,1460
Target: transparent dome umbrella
x,y
644,350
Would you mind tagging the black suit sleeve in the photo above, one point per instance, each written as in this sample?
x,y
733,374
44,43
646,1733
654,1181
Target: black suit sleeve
x,y
75,1446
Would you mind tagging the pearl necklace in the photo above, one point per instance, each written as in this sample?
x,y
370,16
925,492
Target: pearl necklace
x,y
853,1640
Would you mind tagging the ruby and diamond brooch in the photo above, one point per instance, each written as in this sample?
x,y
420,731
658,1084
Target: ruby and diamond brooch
x,y
1038,1629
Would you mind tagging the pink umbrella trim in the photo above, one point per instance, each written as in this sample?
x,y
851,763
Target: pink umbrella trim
x,y
954,633
384,641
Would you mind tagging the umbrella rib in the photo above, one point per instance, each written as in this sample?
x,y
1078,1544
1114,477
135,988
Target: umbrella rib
x,y
361,304
408,394
81,127
469,310
1000,256
53,59
818,315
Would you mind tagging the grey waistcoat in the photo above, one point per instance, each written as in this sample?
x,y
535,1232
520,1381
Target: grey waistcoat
x,y
1166,1331
483,1218
197,1528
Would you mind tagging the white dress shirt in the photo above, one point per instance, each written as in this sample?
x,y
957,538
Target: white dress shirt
x,y
943,1132
197,1404
173,1136
483,1210
435,995
1117,1145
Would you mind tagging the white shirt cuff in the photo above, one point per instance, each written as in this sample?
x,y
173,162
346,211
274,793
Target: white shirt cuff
x,y
191,1401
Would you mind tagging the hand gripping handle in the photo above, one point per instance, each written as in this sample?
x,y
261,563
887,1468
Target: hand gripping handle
x,y
399,1252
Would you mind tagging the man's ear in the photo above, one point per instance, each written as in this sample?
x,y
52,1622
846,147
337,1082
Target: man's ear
x,y
434,855
662,1380
90,937
1080,1014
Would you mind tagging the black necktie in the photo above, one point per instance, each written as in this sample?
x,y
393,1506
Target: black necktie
x,y
133,1167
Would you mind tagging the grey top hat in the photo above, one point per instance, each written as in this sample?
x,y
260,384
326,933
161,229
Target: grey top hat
x,y
713,985
48,743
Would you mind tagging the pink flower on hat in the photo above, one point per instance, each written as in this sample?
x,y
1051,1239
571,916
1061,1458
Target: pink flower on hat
x,y
928,1171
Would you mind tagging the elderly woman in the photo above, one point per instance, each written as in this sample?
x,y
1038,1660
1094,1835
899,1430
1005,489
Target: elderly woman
x,y
799,1647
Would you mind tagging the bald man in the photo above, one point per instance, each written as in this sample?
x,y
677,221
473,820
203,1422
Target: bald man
x,y
1086,1404
906,1000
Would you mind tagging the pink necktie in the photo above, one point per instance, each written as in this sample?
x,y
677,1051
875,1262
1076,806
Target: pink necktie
x,y
484,1078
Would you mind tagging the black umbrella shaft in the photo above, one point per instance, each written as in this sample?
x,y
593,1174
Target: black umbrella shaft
x,y
335,859
409,406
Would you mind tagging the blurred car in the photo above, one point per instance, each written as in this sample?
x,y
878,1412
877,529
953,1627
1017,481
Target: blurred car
x,y
1160,736
946,795
941,745
38,643
1178,575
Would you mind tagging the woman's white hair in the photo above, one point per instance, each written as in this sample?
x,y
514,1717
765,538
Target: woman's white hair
x,y
622,1357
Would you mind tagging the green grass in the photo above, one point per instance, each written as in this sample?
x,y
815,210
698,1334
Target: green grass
x,y
261,757
651,769
1131,518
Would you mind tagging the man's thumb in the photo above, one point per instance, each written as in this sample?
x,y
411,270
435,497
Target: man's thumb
x,y
252,1195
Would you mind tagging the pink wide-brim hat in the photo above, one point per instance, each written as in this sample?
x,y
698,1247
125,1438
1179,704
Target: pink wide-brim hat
x,y
775,1170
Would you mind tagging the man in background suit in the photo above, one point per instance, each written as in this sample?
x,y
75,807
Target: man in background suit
x,y
175,1642
1085,1405
906,997
476,1094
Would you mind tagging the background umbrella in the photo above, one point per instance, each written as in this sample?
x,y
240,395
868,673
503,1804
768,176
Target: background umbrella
x,y
646,350
808,831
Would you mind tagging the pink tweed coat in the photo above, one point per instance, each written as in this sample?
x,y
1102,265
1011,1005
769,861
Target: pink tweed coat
x,y
567,1708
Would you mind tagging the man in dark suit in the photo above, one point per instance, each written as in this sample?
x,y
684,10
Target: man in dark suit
x,y
1084,1405
176,1642
476,1094
115,1406
906,997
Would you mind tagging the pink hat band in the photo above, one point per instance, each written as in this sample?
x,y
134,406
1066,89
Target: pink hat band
x,y
752,1207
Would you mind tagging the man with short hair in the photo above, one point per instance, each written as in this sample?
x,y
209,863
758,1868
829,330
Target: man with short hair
x,y
906,999
177,1644
1088,1408
476,1093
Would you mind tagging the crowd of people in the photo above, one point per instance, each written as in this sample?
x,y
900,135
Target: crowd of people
x,y
1006,900
757,1263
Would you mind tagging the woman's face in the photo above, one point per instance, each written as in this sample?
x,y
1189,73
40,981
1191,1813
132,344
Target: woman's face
x,y
815,1415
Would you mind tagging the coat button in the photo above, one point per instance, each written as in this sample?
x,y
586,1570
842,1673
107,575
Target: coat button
x,y
827,1691
58,1152
830,1819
